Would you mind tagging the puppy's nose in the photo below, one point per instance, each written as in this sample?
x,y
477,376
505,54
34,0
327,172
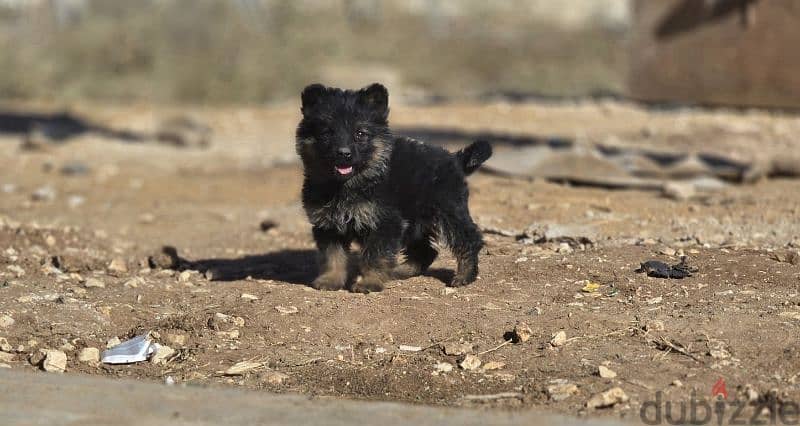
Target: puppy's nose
x,y
344,153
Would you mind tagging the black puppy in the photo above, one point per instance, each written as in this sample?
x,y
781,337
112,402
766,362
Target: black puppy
x,y
389,194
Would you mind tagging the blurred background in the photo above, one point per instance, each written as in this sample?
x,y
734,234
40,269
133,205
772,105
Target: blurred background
x,y
256,51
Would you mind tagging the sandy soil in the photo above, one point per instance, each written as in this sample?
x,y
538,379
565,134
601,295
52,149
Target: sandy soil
x,y
736,318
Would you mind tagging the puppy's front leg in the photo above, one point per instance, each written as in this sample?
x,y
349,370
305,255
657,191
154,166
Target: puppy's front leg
x,y
333,260
379,256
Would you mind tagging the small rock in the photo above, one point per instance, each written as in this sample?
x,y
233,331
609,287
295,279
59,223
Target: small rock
x,y
409,348
240,368
608,398
118,266
247,296
654,325
114,341
559,339
5,346
74,168
470,362
147,218
448,291
274,377
443,367
162,354
668,251
75,201
561,390
185,276
89,355
16,270
7,357
521,333
94,283
169,381
133,282
606,372
50,241
6,321
54,361
677,383
493,365
266,225
678,191
45,193
456,348
286,310
230,334
176,339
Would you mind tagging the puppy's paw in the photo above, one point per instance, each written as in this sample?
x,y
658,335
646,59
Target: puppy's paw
x,y
461,281
406,270
328,282
369,284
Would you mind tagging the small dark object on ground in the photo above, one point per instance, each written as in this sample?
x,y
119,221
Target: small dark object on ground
x,y
266,225
74,168
658,269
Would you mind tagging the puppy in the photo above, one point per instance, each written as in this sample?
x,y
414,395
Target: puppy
x,y
389,194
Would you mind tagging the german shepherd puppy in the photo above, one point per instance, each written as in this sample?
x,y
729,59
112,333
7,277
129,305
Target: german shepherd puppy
x,y
389,194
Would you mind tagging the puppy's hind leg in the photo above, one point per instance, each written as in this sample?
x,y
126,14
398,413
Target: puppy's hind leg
x,y
465,240
333,260
420,254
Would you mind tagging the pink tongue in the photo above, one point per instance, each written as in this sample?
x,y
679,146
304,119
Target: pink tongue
x,y
344,170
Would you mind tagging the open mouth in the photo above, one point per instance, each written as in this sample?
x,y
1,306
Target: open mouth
x,y
344,170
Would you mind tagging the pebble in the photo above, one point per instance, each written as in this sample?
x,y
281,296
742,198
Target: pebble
x,y
5,346
240,368
608,398
606,372
442,367
521,333
75,201
561,390
185,276
18,271
94,283
559,339
274,377
668,251
54,361
456,348
470,362
6,321
409,348
493,365
677,383
114,341
678,191
248,296
134,282
89,355
118,266
162,354
45,193
176,339
286,310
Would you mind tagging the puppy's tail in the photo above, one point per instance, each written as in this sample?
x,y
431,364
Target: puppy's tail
x,y
471,157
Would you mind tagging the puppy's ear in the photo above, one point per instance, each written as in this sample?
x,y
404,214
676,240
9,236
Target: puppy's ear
x,y
376,97
311,96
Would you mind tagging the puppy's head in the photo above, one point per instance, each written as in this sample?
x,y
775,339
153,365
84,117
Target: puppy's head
x,y
343,133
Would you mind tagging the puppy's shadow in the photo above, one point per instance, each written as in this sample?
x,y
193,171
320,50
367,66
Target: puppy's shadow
x,y
292,266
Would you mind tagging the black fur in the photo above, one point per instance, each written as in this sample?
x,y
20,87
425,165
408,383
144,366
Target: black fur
x,y
389,194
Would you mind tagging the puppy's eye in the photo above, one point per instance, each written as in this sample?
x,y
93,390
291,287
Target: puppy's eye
x,y
361,135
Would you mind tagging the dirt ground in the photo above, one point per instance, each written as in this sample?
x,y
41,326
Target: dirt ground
x,y
118,203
